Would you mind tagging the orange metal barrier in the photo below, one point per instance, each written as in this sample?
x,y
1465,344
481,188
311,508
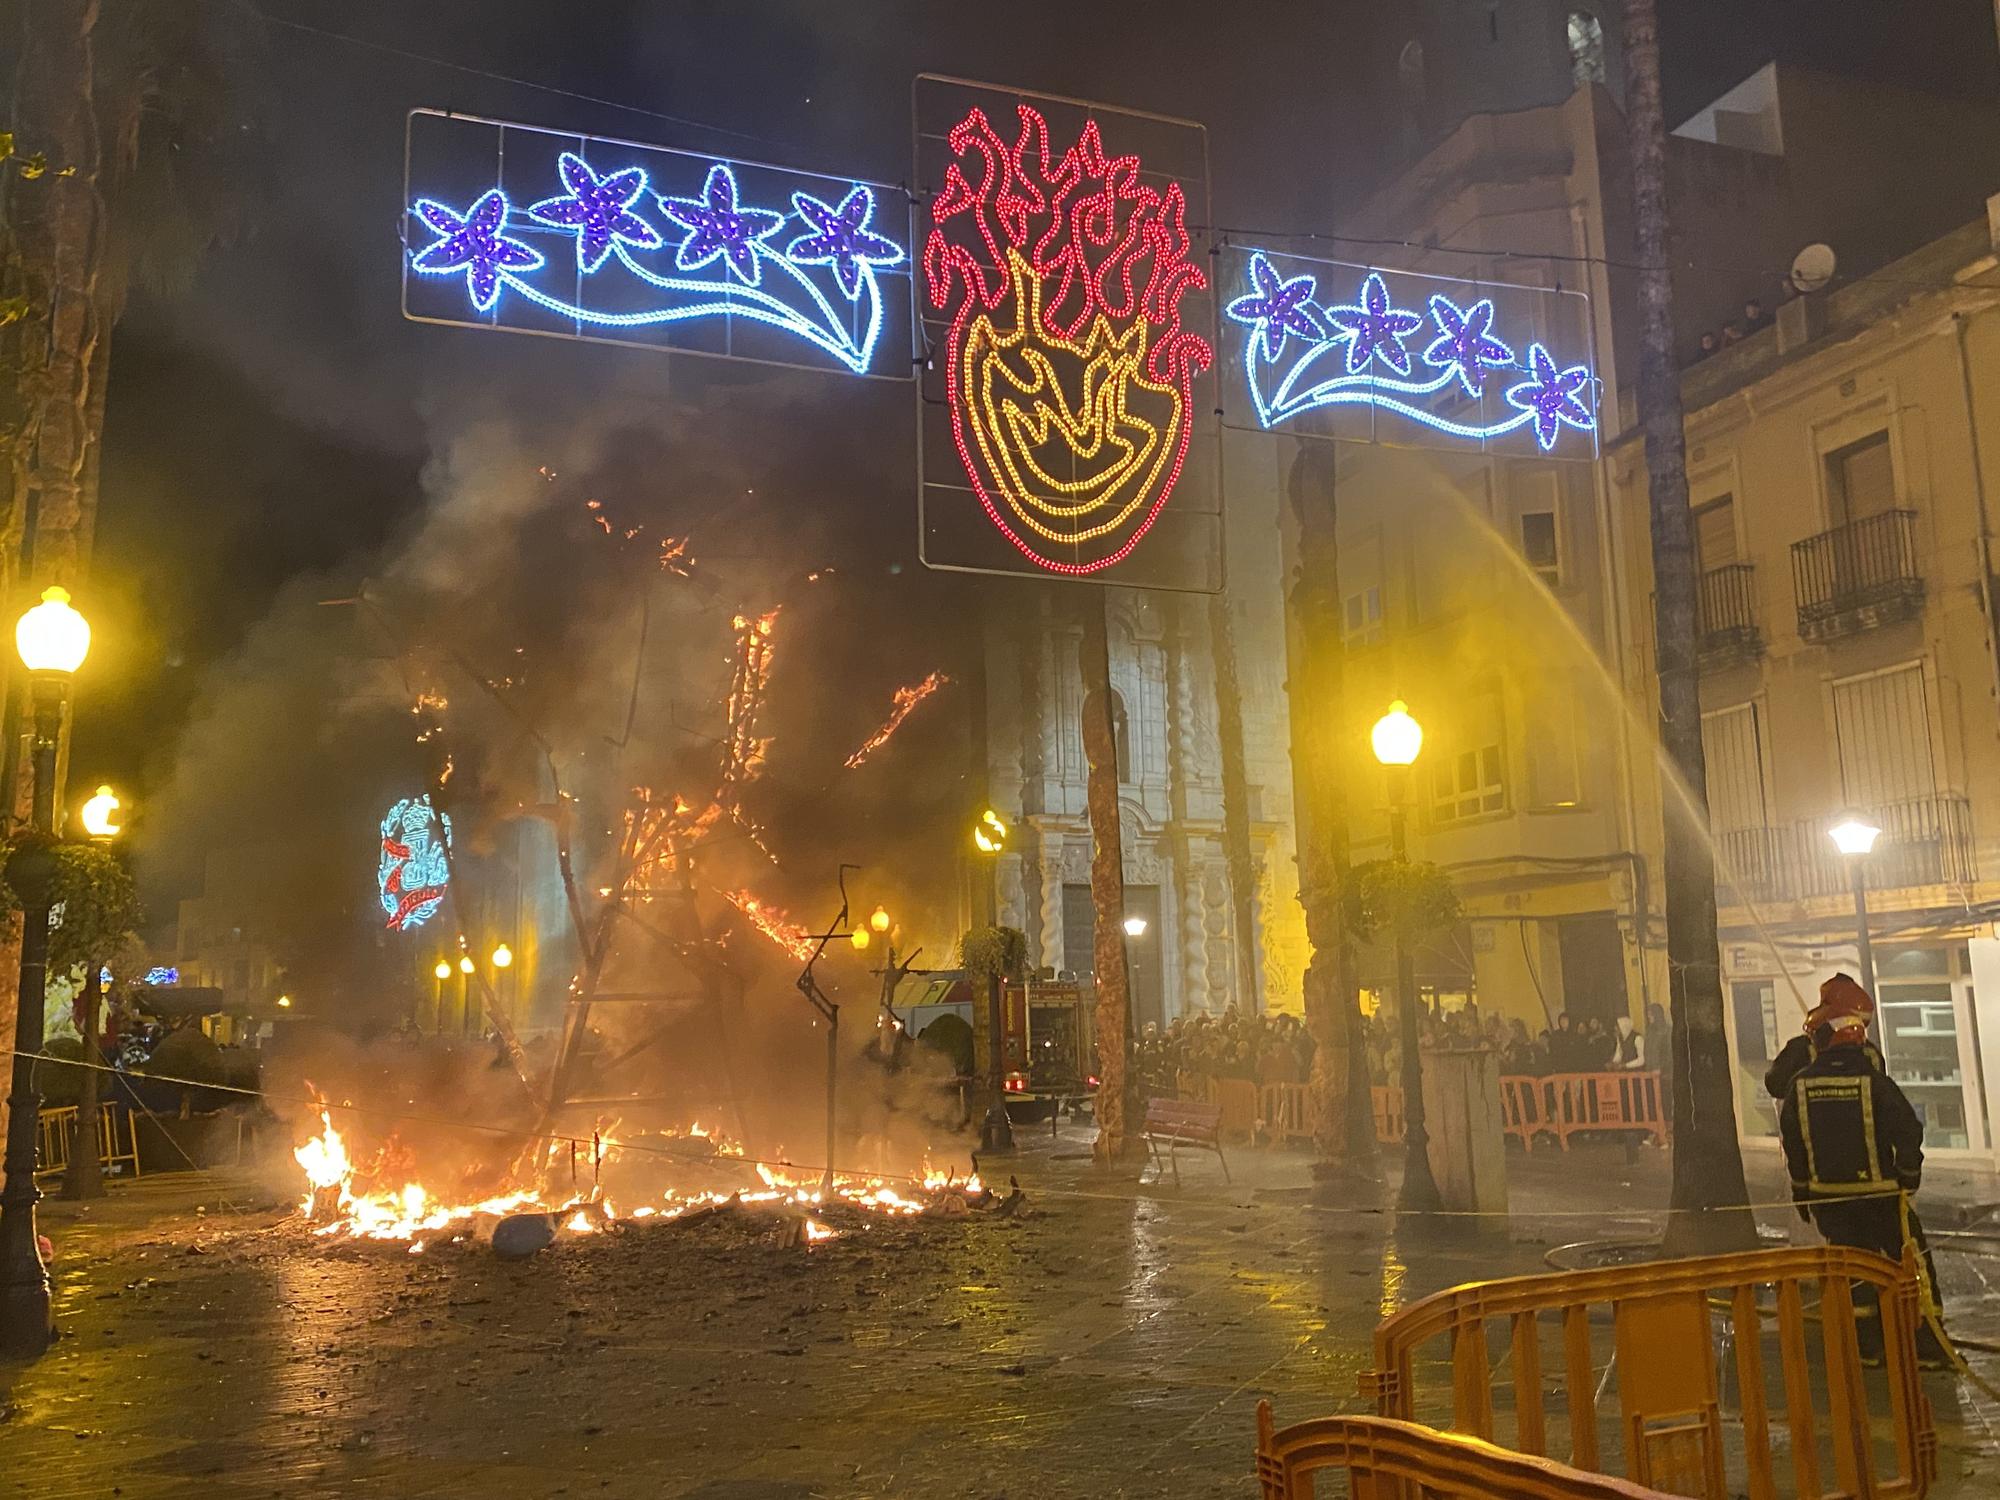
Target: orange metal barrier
x,y
1385,1460
1388,1105
56,1129
1285,1113
1666,1357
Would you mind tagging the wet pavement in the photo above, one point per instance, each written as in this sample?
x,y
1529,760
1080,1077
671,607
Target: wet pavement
x,y
1112,1339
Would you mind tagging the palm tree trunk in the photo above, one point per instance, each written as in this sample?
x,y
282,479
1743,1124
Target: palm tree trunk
x,y
1345,1129
1235,801
84,1177
1709,1200
1113,1027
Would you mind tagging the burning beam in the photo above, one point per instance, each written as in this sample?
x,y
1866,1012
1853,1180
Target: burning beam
x,y
906,700
774,924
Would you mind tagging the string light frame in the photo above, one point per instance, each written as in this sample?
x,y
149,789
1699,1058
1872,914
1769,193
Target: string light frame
x,y
1384,355
1069,321
529,230
414,867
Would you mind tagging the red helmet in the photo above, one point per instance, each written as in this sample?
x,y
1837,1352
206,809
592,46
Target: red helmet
x,y
1843,1005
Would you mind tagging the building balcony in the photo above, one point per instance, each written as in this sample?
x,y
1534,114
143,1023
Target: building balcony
x,y
1726,613
1858,576
1926,841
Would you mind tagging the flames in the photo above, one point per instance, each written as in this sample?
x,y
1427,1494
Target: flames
x,y
345,1201
902,705
1068,373
774,924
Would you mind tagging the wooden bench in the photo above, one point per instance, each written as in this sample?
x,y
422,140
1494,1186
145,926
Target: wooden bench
x,y
1179,1124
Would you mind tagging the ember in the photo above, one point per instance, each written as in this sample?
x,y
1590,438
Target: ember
x,y
906,700
774,924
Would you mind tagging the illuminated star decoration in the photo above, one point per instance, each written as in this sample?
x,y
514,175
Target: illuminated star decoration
x,y
1465,342
475,245
1375,328
1278,307
719,226
1553,395
841,238
599,209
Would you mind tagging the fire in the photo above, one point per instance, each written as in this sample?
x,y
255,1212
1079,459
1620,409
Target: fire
x,y
340,1202
817,1232
774,924
905,701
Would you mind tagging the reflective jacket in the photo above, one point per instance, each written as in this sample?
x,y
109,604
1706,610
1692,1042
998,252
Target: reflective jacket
x,y
1848,1129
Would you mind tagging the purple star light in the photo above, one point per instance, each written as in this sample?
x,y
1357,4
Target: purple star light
x,y
1278,307
473,243
1465,343
718,226
1375,328
599,209
1554,396
841,238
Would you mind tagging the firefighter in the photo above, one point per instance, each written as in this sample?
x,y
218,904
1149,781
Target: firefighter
x,y
1855,1149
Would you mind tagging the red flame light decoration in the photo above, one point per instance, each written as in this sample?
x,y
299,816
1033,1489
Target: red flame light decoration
x,y
1092,266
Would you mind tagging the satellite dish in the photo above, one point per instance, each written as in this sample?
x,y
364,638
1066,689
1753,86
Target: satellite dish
x,y
1812,268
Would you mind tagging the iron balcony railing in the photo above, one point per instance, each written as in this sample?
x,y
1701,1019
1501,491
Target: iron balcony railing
x,y
1726,601
1858,575
1925,841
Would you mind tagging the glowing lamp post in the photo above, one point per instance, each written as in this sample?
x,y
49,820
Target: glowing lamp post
x,y
1397,740
1855,838
52,639
99,815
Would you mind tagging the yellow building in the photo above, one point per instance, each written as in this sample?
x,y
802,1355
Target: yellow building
x,y
1840,462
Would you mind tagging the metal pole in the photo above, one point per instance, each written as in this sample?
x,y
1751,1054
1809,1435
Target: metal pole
x,y
1866,952
832,1078
25,1325
1420,1191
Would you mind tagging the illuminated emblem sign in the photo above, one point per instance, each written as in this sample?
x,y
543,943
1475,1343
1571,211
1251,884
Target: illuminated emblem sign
x,y
1383,355
1067,302
515,227
414,870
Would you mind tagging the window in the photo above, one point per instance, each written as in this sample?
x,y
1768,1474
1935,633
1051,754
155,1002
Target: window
x,y
1883,726
1410,89
1555,776
1469,775
1363,626
1121,737
1860,480
1586,47
1715,534
1732,747
1538,546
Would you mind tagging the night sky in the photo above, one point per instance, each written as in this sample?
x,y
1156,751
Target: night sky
x,y
277,433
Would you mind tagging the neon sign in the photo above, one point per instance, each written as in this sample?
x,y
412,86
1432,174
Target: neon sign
x,y
414,867
1303,352
642,244
1068,372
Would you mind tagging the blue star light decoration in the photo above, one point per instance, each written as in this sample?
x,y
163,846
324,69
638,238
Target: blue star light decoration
x,y
1374,328
472,243
1377,370
841,237
1278,307
598,209
825,287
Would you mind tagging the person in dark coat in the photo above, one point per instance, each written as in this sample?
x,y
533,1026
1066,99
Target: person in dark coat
x,y
1855,1148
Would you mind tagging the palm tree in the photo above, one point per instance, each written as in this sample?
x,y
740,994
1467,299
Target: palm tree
x,y
1709,1200
1345,1132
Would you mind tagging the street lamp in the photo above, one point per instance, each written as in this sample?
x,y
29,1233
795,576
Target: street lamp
x,y
1397,740
52,639
99,815
878,919
1855,838
989,834
503,956
1135,926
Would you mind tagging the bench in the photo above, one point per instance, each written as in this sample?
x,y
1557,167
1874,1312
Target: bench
x,y
1179,1124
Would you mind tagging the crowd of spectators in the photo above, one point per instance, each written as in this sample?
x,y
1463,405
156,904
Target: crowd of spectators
x,y
1279,1049
1268,1049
